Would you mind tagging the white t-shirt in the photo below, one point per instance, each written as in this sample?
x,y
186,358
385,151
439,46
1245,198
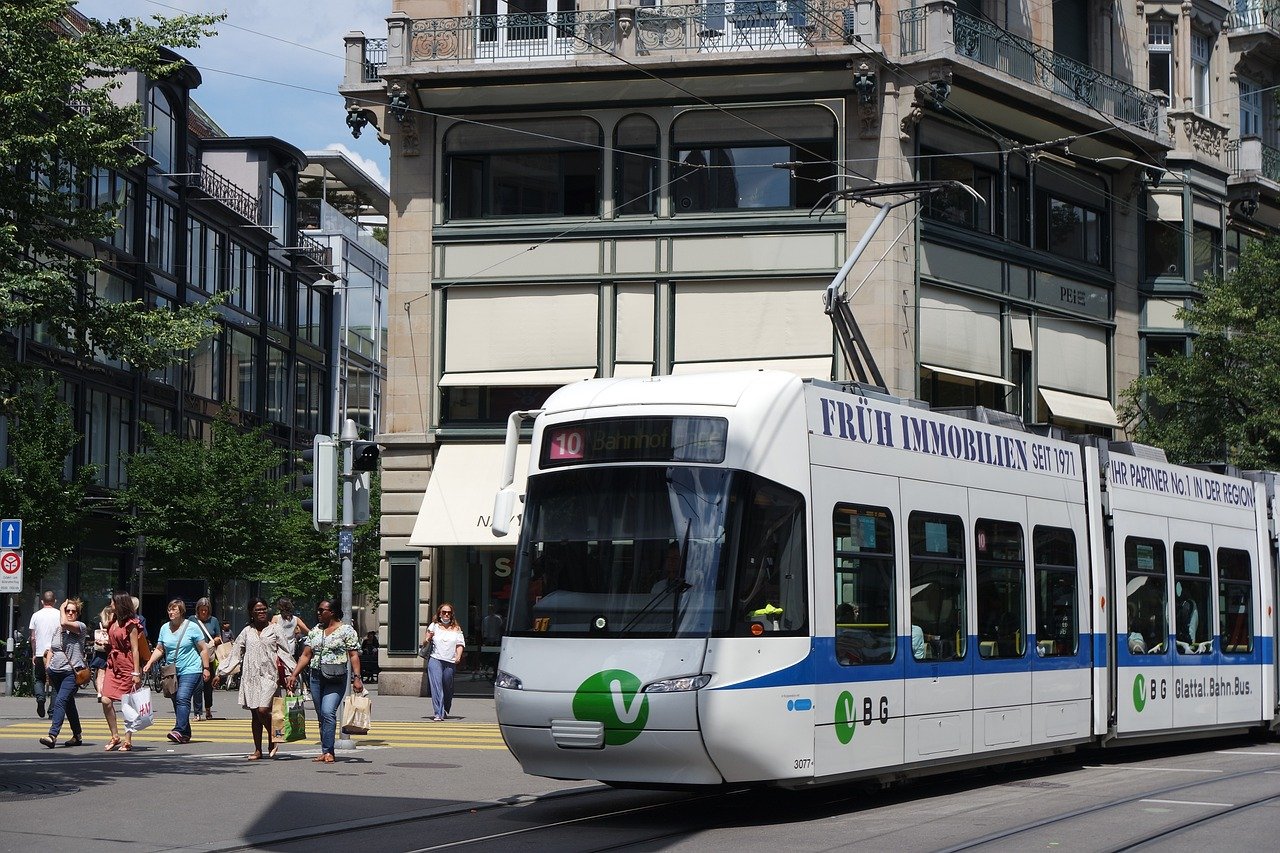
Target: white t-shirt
x,y
445,642
45,624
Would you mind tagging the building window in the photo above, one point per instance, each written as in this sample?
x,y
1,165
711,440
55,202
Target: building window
x,y
549,167
1206,252
308,381
242,278
107,437
107,187
1250,108
1160,58
488,405
164,137
635,166
1072,230
361,312
160,234
277,385
955,206
1200,89
277,297
242,371
310,320
280,212
204,256
108,288
727,162
204,369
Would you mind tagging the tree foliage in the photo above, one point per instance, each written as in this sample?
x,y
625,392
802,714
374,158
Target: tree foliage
x,y
60,124
1221,402
33,486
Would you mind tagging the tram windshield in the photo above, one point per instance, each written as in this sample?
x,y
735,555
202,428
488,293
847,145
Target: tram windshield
x,y
659,551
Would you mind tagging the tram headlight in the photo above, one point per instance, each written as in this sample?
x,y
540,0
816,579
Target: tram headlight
x,y
507,681
678,685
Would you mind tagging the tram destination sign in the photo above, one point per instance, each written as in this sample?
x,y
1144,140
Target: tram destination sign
x,y
647,439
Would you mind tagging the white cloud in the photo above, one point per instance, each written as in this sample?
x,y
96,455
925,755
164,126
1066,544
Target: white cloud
x,y
372,168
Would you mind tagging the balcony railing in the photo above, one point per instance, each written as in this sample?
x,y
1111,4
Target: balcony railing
x,y
312,251
995,48
1251,157
745,25
1254,14
375,58
220,189
518,36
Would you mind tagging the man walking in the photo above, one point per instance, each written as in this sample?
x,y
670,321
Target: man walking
x,y
44,626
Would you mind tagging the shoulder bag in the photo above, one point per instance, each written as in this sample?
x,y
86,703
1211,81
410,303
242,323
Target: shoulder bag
x,y
331,672
169,672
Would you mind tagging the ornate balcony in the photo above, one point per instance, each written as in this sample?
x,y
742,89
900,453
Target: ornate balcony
x,y
1254,24
217,188
1249,159
990,46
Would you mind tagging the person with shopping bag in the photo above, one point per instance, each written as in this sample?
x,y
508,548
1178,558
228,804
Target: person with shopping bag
x,y
207,623
124,667
334,646
357,713
262,654
66,665
186,666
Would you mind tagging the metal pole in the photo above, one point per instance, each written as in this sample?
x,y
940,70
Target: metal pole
x,y
346,537
9,645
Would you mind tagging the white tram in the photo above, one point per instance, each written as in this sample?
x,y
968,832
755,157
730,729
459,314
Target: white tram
x,y
749,578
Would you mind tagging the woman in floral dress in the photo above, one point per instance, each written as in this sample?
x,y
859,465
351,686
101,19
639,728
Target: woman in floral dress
x,y
256,652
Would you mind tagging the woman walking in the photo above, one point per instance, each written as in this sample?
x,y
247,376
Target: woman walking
x,y
446,639
101,645
334,646
181,645
124,669
260,651
66,657
207,624
292,628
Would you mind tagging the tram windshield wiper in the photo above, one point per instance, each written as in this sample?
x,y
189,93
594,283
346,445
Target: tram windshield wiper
x,y
676,587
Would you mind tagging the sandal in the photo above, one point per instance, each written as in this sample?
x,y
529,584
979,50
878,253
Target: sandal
x,y
127,746
328,758
319,759
112,745
253,756
272,749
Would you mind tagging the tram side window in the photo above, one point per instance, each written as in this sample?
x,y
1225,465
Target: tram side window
x,y
1054,551
1147,592
769,594
1235,601
1192,607
1002,589
936,543
864,594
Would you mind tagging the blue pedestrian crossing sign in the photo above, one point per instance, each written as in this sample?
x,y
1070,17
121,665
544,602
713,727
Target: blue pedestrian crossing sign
x,y
11,534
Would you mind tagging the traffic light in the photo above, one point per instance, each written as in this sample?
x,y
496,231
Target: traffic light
x,y
364,455
322,480
360,494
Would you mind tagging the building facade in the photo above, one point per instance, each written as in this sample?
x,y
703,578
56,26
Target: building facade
x,y
204,214
614,189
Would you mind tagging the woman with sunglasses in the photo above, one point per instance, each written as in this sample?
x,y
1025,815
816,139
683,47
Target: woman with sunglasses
x,y
446,639
335,646
65,656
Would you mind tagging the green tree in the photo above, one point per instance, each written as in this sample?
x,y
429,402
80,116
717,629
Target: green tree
x,y
34,485
60,125
219,509
1222,401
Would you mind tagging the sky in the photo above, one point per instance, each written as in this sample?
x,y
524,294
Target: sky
x,y
274,67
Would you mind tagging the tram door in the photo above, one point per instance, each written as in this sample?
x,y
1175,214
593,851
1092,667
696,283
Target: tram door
x,y
935,539
1144,659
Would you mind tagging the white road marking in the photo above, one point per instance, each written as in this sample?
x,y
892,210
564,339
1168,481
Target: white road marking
x,y
1149,769
1243,752
1190,803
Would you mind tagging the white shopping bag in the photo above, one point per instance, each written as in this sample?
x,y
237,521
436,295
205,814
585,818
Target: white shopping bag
x,y
136,707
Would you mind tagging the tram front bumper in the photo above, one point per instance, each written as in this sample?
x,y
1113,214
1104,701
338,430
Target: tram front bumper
x,y
653,757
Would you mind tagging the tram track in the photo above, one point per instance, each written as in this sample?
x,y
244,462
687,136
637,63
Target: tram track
x,y
1025,829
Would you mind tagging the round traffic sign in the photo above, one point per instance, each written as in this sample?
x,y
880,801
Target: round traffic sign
x,y
10,562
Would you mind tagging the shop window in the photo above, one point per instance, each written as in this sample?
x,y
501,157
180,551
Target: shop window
x,y
488,405
866,630
549,167
635,156
938,629
1001,589
1192,607
1235,601
1147,594
724,162
1057,602
1072,230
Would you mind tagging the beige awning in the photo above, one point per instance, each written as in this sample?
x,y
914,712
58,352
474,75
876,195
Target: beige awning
x,y
457,508
966,374
623,370
1076,407
523,378
818,367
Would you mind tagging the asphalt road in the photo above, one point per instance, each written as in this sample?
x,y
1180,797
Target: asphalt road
x,y
414,785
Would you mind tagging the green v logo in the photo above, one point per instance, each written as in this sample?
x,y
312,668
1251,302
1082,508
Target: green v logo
x,y
613,699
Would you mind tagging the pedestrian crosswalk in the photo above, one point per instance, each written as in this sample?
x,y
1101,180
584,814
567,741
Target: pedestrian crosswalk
x,y
451,734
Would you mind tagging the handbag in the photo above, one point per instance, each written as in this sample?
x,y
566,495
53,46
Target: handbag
x,y
424,650
333,671
136,709
82,676
357,710
295,718
169,672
